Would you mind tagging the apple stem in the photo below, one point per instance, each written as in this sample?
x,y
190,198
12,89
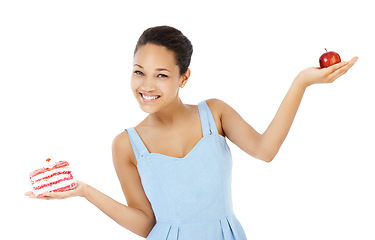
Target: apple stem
x,y
326,49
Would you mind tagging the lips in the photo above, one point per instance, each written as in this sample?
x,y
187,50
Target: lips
x,y
149,97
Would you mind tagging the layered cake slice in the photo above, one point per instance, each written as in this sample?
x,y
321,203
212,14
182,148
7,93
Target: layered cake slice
x,y
54,177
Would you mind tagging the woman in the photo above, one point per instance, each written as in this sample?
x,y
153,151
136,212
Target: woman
x,y
175,166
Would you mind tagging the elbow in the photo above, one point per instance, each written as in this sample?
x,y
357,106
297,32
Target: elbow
x,y
268,159
266,150
266,155
148,228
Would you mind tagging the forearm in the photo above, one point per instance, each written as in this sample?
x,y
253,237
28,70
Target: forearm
x,y
131,218
274,136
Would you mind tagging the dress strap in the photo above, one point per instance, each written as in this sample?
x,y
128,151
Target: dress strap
x,y
207,120
139,147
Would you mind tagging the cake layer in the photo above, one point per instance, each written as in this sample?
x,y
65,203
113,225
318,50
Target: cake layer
x,y
59,177
59,164
66,188
49,173
61,186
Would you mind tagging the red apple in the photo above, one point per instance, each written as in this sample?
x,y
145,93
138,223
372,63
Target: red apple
x,y
329,59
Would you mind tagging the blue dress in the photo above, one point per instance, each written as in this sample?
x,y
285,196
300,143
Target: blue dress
x,y
191,196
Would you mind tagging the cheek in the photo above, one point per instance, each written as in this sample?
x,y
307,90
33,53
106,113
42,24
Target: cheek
x,y
171,86
134,84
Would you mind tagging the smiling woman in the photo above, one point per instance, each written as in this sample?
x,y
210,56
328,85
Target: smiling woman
x,y
156,76
165,53
175,166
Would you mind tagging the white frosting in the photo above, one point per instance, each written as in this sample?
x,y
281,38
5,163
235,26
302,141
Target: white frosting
x,y
48,173
49,164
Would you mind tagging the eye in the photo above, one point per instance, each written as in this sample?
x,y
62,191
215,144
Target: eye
x,y
138,73
162,76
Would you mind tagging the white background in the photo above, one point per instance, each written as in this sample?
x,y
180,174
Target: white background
x,y
65,71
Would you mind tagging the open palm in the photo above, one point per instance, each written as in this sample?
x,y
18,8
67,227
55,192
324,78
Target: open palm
x,y
316,75
59,195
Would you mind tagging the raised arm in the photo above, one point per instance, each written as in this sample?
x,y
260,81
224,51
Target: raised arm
x,y
265,146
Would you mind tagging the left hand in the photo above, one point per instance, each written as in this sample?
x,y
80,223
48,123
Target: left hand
x,y
78,191
315,75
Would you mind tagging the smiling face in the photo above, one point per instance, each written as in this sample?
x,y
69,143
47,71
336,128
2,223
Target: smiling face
x,y
156,77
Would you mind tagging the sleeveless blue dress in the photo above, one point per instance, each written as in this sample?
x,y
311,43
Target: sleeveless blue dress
x,y
191,196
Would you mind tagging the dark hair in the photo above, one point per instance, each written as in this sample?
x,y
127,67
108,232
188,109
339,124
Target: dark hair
x,y
172,39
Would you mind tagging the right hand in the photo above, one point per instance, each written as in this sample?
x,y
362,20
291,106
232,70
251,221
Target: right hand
x,y
78,191
315,75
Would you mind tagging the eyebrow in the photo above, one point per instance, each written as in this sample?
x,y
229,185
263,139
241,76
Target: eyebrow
x,y
157,69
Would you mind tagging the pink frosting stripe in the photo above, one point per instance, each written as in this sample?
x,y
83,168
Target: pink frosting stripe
x,y
55,182
52,175
68,187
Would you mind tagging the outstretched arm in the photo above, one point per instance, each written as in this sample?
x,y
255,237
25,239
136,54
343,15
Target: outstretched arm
x,y
265,146
278,129
137,216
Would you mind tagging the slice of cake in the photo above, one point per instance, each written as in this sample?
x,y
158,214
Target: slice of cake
x,y
54,177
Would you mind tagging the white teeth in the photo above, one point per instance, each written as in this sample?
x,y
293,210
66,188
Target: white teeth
x,y
149,97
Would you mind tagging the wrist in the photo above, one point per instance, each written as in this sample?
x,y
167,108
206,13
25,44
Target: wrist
x,y
83,189
300,83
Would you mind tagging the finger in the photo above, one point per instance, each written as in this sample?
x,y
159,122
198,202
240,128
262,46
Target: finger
x,y
353,61
350,63
30,194
46,196
57,195
49,195
341,71
331,69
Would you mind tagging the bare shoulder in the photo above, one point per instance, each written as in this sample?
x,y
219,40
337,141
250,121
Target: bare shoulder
x,y
235,128
218,107
121,139
122,148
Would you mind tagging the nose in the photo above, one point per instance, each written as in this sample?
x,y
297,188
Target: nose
x,y
148,85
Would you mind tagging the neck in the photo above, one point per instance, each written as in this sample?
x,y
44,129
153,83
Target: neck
x,y
169,115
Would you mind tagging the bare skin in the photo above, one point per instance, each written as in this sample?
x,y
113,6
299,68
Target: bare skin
x,y
156,73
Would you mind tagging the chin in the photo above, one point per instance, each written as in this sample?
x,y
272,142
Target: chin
x,y
149,108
